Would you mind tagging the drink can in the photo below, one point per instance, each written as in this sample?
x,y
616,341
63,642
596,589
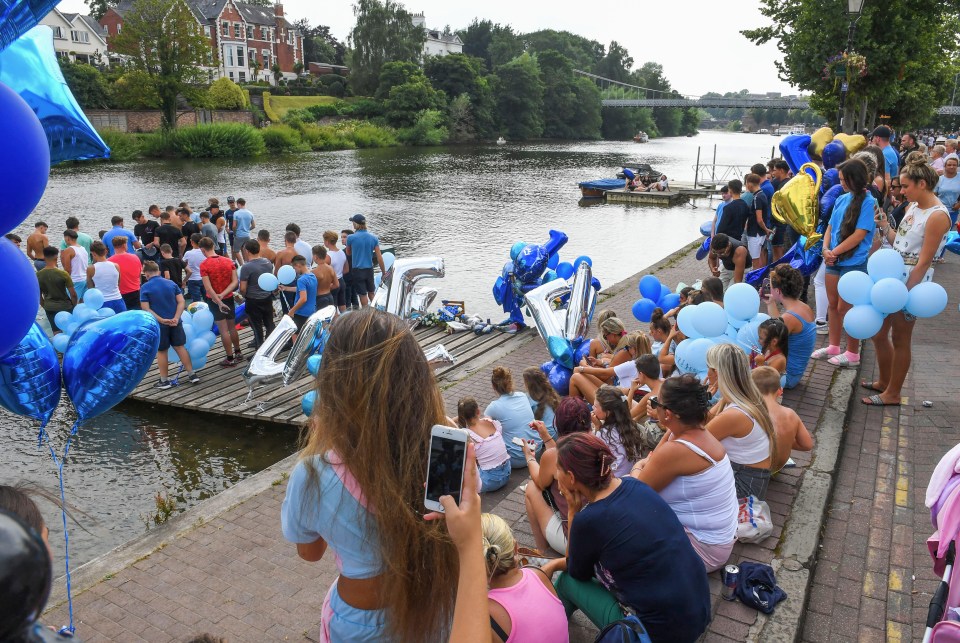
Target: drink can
x,y
731,576
927,403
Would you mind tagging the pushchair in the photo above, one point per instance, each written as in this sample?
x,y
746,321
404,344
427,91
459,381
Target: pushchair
x,y
943,616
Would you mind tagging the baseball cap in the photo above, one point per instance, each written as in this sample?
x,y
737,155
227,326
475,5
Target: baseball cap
x,y
883,132
358,218
230,199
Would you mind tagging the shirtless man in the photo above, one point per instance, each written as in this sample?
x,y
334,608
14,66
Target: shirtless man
x,y
326,278
36,242
263,238
285,258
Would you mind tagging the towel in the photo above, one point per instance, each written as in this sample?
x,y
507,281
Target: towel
x,y
948,465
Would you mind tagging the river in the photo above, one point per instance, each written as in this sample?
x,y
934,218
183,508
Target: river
x,y
466,204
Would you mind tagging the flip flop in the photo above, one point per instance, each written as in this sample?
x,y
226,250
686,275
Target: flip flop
x,y
867,384
876,400
843,361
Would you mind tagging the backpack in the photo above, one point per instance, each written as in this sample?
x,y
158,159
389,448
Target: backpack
x,y
626,630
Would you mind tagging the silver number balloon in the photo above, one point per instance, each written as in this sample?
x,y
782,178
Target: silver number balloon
x,y
310,341
263,367
540,304
583,298
398,283
420,299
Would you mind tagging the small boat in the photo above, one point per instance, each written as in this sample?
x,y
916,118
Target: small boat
x,y
763,131
501,141
797,129
596,189
641,137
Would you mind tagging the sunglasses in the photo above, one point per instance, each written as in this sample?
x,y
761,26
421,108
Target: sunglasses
x,y
655,403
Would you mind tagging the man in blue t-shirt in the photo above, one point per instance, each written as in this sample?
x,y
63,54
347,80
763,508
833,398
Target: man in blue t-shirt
x,y
118,230
243,223
306,302
362,247
881,138
164,300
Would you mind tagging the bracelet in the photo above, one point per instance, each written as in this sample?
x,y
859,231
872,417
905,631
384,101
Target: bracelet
x,y
529,460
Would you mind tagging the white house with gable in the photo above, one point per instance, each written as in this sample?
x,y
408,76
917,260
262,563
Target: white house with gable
x,y
77,38
437,42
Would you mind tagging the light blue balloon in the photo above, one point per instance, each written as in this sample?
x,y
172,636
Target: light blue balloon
x,y
60,342
759,318
106,312
685,322
268,282
741,301
885,263
199,362
709,319
650,287
313,364
748,337
564,270
309,399
197,348
862,322
287,275
93,298
553,261
186,317
691,355
515,250
208,337
62,319
203,320
889,295
82,312
71,327
548,276
737,323
172,356
732,331
854,287
30,377
388,259
106,359
926,300
560,350
190,331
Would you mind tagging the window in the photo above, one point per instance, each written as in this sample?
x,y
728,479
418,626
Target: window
x,y
58,33
207,31
242,76
229,52
119,27
237,30
231,75
253,56
240,57
249,33
290,37
226,28
79,36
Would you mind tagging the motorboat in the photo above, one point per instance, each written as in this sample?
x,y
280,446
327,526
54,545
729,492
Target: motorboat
x,y
641,137
501,141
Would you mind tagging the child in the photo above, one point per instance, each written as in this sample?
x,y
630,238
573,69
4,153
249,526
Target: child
x,y
791,432
616,428
487,436
774,337
171,267
646,383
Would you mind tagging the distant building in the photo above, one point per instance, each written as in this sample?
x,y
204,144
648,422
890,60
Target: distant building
x,y
241,35
438,43
77,38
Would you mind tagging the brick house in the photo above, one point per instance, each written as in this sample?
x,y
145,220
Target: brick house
x,y
240,34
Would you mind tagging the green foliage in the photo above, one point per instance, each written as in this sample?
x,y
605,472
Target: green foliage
x,y
86,83
219,140
268,108
100,7
319,45
346,135
406,102
384,32
397,73
571,105
583,53
621,123
135,89
520,98
225,94
427,130
494,44
283,139
123,146
460,117
459,74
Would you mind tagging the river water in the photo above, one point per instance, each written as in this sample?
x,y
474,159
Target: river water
x,y
466,204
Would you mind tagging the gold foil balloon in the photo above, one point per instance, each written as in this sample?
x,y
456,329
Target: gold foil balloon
x,y
819,140
796,203
853,142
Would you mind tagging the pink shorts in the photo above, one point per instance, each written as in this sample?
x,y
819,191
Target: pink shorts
x,y
713,556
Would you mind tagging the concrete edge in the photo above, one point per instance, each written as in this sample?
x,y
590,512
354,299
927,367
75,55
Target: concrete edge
x,y
100,568
796,559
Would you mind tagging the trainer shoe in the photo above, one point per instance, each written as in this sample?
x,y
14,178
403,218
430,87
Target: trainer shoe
x,y
194,378
228,362
163,385
823,328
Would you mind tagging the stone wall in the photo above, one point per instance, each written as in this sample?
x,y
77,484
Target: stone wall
x,y
149,120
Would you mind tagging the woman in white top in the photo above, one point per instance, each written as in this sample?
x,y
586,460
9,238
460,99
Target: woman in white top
x,y
741,421
105,277
587,379
691,471
921,237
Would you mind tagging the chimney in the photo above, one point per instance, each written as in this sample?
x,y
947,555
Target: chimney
x,y
278,10
419,20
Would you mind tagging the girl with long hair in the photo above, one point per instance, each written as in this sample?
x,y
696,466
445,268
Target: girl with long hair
x,y
846,245
487,436
627,548
587,379
786,286
774,345
617,428
741,422
357,487
542,397
512,410
921,237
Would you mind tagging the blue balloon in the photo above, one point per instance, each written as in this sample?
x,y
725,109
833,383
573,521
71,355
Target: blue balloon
x,y
885,263
596,284
564,270
93,298
61,319
794,151
106,359
685,321
308,402
854,287
830,179
60,342
704,249
953,242
670,302
30,377
748,337
197,348
515,250
559,377
560,350
24,160
926,299
530,263
627,172
710,320
268,282
834,153
889,295
862,322
208,337
706,227
19,290
549,276
287,275
741,301
106,312
582,259
553,261
29,67
664,291
582,352
313,364
828,200
20,16
82,313
691,355
199,362
650,287
643,309
190,331
203,320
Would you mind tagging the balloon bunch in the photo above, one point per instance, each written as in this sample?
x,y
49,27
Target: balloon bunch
x,y
198,326
653,295
68,322
881,291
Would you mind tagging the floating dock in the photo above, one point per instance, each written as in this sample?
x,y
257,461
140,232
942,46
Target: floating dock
x,y
224,392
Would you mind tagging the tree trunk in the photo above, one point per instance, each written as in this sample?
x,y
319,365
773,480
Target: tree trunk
x,y
862,117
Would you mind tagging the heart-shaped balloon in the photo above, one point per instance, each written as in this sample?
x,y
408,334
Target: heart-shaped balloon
x,y
20,16
106,359
819,140
30,377
796,203
852,142
834,153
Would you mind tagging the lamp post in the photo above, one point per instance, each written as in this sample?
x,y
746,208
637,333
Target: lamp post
x,y
854,9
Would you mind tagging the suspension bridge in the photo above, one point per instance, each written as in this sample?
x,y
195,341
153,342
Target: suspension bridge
x,y
619,94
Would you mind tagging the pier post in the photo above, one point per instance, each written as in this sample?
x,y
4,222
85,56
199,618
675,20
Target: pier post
x,y
696,174
713,168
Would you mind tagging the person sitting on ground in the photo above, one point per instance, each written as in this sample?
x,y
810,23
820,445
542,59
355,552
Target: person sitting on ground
x,y
668,362
610,333
105,276
627,548
792,433
546,506
524,607
57,293
542,396
786,286
220,280
163,299
587,379
512,409
733,255
712,287
327,281
659,186
660,328
691,471
357,488
487,437
647,385
741,421
774,346
617,429
306,301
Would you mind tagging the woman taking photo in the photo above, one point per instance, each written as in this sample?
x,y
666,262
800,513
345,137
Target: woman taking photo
x,y
786,286
921,237
691,470
542,397
512,410
626,548
358,487
587,379
846,245
741,422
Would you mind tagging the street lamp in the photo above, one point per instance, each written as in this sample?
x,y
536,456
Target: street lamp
x,y
854,9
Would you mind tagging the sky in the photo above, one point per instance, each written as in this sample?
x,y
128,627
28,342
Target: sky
x,y
698,42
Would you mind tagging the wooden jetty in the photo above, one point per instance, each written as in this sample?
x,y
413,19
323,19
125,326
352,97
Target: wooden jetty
x,y
223,391
678,193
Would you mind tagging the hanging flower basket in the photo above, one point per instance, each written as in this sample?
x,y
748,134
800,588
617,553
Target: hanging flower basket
x,y
849,66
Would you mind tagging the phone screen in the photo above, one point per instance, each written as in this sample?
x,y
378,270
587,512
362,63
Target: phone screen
x,y
445,473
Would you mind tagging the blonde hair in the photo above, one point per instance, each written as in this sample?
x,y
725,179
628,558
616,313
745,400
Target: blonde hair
x,y
737,387
604,315
767,379
918,168
611,326
638,340
499,545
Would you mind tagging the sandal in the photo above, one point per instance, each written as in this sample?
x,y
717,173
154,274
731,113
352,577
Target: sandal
x,y
876,400
870,386
823,353
843,361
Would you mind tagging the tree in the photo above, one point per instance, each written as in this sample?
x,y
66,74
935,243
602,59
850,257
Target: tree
x,y
904,77
277,73
583,54
100,7
460,117
520,97
319,45
397,73
384,32
86,83
255,67
616,65
457,75
476,40
163,39
408,100
564,113
135,89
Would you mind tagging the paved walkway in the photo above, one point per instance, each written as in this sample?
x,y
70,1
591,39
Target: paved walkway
x,y
874,579
229,572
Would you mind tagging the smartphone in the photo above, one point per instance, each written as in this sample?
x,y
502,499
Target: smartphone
x,y
765,288
445,466
520,442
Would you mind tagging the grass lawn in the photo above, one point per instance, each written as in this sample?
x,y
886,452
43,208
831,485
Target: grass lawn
x,y
283,104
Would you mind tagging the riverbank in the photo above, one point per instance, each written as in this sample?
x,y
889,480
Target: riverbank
x,y
223,567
